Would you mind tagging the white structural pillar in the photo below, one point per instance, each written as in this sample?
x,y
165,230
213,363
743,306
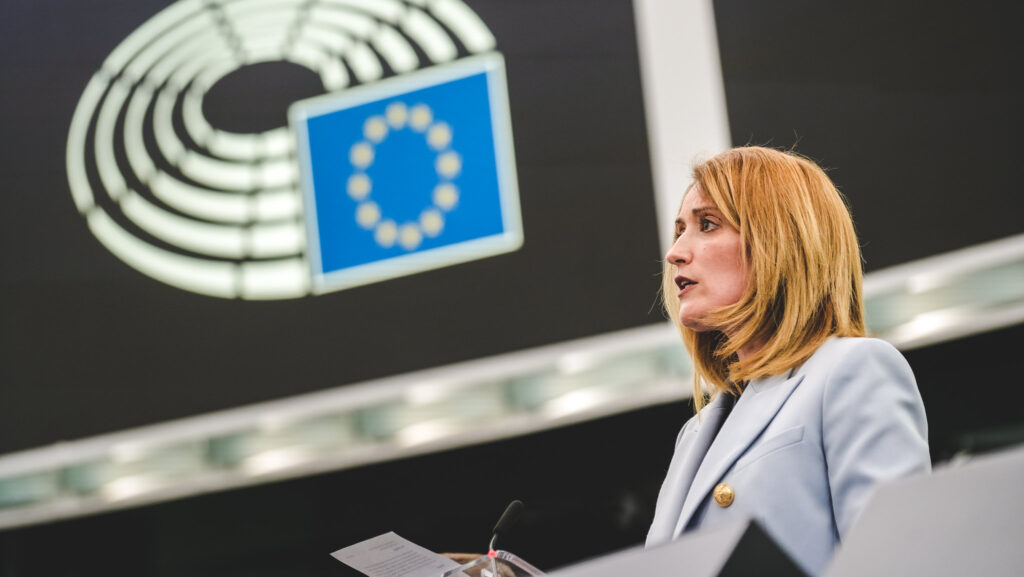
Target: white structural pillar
x,y
684,95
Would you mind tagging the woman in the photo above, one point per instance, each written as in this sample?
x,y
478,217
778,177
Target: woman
x,y
807,416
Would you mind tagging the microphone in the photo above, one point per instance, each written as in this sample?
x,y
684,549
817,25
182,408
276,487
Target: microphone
x,y
505,522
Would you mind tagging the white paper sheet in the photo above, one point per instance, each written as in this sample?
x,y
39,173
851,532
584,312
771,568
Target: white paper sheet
x,y
389,555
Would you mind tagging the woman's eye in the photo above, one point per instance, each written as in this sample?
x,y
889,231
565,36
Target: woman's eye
x,y
708,225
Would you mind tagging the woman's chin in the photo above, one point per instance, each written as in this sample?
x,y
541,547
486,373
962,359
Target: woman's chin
x,y
694,323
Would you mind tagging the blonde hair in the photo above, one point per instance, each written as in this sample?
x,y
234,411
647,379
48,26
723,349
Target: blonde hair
x,y
804,262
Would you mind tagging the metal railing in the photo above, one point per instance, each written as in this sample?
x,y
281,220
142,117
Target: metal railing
x,y
924,302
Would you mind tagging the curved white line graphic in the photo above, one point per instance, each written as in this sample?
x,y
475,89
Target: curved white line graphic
x,y
208,210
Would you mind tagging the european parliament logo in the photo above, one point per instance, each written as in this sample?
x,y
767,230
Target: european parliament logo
x,y
221,211
408,174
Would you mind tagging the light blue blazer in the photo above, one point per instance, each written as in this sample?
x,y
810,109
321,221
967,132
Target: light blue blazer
x,y
802,451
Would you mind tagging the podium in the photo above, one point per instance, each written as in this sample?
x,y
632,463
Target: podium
x,y
961,520
738,549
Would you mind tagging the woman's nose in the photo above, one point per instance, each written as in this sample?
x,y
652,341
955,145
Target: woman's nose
x,y
680,251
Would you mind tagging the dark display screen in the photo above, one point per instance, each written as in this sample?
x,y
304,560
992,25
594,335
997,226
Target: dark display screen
x,y
914,114
92,345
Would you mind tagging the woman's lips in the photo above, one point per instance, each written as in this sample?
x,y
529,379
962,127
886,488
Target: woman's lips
x,y
685,285
686,288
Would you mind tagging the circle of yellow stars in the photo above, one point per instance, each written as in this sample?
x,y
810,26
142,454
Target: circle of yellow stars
x,y
447,164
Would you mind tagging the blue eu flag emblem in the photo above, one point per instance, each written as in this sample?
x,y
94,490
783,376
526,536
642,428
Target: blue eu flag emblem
x,y
408,174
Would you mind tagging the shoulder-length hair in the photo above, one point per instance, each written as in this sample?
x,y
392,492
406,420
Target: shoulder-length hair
x,y
804,261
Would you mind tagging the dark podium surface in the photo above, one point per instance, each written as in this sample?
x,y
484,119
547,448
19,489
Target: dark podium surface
x,y
728,550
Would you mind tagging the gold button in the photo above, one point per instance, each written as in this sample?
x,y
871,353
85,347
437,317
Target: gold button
x,y
724,495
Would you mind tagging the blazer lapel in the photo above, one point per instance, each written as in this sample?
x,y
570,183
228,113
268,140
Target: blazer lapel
x,y
755,408
693,445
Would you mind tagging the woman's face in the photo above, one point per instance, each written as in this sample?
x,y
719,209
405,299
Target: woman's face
x,y
707,261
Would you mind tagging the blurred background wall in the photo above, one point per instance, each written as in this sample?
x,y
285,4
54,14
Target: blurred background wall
x,y
912,110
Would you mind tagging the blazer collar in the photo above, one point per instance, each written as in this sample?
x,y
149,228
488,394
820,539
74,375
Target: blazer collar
x,y
754,410
680,476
